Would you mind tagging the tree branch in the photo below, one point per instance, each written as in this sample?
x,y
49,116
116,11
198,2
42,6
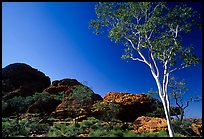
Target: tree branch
x,y
179,68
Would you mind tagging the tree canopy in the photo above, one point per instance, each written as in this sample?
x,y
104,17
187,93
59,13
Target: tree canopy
x,y
150,25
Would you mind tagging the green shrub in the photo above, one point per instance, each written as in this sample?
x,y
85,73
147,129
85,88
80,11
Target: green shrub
x,y
80,92
98,133
111,131
90,123
183,128
63,130
158,112
14,127
109,110
38,128
129,134
20,104
4,106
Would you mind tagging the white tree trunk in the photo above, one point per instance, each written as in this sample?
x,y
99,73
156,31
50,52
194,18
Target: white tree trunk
x,y
161,89
168,117
165,102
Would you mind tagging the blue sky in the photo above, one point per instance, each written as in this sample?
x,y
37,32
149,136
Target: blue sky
x,y
54,38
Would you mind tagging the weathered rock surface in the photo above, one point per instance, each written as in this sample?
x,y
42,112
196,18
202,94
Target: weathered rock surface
x,y
20,79
63,85
149,124
197,128
131,105
127,98
80,104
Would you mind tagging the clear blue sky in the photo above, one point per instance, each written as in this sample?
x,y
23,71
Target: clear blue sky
x,y
54,38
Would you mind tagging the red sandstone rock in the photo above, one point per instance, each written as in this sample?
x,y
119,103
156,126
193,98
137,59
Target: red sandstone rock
x,y
149,124
197,128
131,105
69,106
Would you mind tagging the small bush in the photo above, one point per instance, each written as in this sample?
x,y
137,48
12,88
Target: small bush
x,y
183,128
14,127
109,110
158,112
63,130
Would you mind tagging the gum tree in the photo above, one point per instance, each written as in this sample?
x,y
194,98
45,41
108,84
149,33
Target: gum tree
x,y
152,34
178,91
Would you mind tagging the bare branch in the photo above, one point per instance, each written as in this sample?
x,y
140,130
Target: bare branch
x,y
178,68
137,59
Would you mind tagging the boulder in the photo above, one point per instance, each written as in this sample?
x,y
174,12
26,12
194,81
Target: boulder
x,y
20,79
149,124
197,128
131,105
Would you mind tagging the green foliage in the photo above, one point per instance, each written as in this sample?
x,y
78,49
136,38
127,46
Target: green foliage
x,y
109,110
38,128
40,96
158,112
80,92
106,133
63,130
14,127
153,26
4,105
90,121
19,103
183,128
58,96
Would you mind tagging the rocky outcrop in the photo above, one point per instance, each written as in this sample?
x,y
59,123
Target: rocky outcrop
x,y
127,98
20,79
131,105
197,128
63,85
77,98
149,124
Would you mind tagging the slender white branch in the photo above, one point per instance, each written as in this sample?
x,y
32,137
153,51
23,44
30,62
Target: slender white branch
x,y
150,35
152,57
176,32
137,59
155,64
178,68
133,46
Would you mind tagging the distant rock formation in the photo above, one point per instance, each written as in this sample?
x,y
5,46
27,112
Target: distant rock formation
x,y
20,79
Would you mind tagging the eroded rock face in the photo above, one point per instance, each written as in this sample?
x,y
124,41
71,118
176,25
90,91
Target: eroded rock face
x,y
131,105
149,124
197,128
126,98
82,97
20,79
63,85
